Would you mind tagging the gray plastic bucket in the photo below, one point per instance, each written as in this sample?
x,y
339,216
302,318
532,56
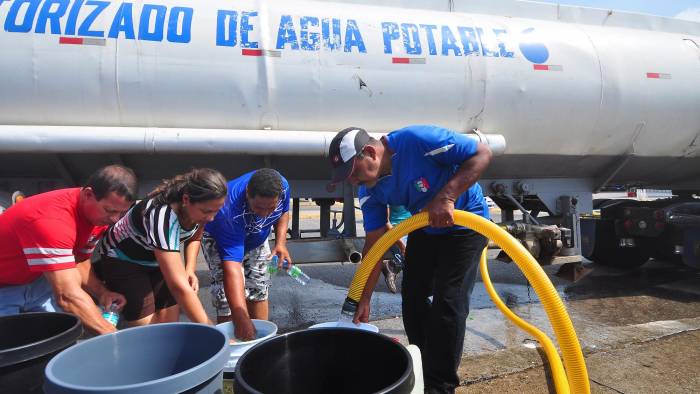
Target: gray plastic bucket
x,y
160,358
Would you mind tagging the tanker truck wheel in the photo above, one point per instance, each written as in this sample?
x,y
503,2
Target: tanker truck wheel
x,y
606,249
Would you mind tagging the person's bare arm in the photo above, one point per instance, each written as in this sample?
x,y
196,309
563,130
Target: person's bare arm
x,y
93,285
176,278
441,208
280,249
192,247
234,288
363,310
70,296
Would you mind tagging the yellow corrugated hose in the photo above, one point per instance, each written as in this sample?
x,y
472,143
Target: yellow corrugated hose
x,y
576,378
558,375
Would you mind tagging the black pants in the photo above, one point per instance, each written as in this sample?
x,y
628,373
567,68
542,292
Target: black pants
x,y
443,266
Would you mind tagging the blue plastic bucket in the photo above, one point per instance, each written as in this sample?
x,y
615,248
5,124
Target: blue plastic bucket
x,y
160,358
265,329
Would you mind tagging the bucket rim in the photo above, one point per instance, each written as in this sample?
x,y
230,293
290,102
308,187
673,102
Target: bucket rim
x,y
404,376
204,371
20,354
222,326
241,347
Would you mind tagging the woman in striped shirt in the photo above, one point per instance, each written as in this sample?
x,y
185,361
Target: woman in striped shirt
x,y
141,252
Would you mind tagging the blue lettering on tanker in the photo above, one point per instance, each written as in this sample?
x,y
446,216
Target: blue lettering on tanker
x,y
449,42
501,45
330,33
155,22
489,47
123,22
459,41
411,41
176,31
286,35
309,38
353,38
157,12
25,25
430,38
246,28
391,33
226,27
72,17
84,29
470,40
49,16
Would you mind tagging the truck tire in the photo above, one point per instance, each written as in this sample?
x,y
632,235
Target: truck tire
x,y
606,249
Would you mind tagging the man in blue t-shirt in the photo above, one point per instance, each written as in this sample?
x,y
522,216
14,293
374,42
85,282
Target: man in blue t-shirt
x,y
236,249
432,169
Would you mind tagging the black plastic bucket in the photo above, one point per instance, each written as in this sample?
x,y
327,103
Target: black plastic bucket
x,y
27,343
325,360
160,358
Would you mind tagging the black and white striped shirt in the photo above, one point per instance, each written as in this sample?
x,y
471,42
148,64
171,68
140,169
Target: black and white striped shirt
x,y
147,226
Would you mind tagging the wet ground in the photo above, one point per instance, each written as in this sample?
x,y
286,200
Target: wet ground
x,y
639,329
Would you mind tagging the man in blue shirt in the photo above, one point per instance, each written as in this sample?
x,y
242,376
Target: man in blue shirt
x,y
236,249
423,168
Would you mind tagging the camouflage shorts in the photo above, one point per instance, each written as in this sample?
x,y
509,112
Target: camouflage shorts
x,y
257,279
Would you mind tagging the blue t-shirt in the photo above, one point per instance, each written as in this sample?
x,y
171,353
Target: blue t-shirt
x,y
236,228
425,159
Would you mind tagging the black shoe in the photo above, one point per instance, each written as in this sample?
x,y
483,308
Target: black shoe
x,y
389,276
396,261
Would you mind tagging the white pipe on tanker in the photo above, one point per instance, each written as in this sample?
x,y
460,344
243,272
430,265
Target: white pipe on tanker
x,y
88,139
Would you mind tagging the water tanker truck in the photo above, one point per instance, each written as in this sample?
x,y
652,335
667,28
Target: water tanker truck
x,y
574,100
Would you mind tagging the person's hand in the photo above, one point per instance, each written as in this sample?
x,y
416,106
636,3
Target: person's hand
x,y
193,281
362,312
440,212
244,330
107,298
282,254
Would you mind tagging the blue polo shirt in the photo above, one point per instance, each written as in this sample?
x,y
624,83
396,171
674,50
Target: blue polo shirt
x,y
236,228
425,159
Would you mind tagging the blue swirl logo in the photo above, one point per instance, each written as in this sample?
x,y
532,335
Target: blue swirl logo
x,y
532,48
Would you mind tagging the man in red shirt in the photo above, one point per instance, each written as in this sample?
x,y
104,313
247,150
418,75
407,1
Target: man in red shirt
x,y
46,242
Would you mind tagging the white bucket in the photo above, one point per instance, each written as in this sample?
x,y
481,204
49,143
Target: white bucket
x,y
342,324
265,329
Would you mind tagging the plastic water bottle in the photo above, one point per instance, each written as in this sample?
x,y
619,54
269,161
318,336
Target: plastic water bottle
x,y
111,314
272,265
298,275
295,272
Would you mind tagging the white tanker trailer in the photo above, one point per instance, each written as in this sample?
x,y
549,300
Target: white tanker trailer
x,y
585,99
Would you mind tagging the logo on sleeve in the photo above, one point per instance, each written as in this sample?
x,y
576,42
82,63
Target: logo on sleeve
x,y
421,184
